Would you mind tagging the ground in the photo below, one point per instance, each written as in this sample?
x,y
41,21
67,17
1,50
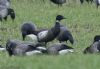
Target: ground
x,y
82,20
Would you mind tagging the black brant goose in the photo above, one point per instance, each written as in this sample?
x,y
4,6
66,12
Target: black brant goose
x,y
64,34
28,28
95,46
49,35
11,12
4,12
59,49
19,48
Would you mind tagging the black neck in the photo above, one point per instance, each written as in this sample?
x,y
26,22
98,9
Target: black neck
x,y
56,29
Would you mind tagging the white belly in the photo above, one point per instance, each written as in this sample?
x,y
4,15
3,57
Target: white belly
x,y
33,52
99,1
31,36
63,52
42,34
2,49
41,48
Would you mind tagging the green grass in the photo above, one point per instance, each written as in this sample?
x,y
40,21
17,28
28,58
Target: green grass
x,y
82,20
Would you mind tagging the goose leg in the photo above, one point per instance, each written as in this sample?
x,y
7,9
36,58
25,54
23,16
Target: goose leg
x,y
60,41
45,44
5,18
0,18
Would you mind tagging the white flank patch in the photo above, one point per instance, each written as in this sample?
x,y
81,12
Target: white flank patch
x,y
32,36
99,1
41,48
33,52
57,20
2,49
42,34
63,52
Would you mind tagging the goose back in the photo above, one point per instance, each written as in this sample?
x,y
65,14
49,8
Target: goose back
x,y
56,48
65,35
51,33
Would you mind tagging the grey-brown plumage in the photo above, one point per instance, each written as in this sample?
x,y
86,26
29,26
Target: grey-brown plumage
x,y
65,35
16,47
5,3
94,48
56,48
28,28
96,38
19,48
5,12
49,35
59,2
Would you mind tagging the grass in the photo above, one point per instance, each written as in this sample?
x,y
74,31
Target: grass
x,y
82,20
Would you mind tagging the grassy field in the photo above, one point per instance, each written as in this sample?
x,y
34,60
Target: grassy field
x,y
82,20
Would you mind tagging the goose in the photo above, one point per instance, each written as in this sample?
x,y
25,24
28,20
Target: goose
x,y
96,38
49,35
39,50
11,12
28,28
19,48
64,34
4,12
59,18
94,47
59,2
59,49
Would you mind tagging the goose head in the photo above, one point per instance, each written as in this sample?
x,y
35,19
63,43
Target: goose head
x,y
11,13
60,17
96,38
